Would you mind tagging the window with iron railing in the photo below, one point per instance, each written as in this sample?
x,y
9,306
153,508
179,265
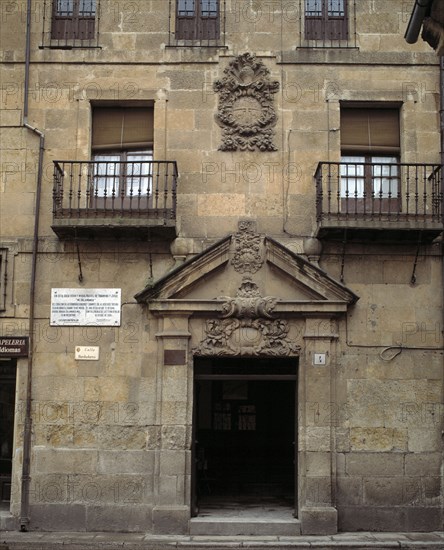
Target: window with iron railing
x,y
326,19
328,23
122,147
70,23
121,179
197,22
369,182
370,150
124,176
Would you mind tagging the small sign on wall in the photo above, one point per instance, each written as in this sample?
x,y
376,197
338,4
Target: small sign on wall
x,y
319,359
14,346
87,353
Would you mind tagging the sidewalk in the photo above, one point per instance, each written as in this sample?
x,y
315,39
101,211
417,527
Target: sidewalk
x,y
13,540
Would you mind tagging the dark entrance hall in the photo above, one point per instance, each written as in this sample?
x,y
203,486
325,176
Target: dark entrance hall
x,y
7,406
244,451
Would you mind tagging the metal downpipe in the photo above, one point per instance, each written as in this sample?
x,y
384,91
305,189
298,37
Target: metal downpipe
x,y
441,124
27,431
415,23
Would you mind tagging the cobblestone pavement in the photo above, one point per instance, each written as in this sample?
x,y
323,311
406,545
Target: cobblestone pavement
x,y
13,540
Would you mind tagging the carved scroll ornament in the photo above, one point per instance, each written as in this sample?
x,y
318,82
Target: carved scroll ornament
x,y
248,303
247,337
247,327
246,112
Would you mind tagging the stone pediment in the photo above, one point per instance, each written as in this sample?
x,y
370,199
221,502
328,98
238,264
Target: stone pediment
x,y
248,275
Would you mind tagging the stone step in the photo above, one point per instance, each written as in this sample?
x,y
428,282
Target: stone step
x,y
244,527
7,521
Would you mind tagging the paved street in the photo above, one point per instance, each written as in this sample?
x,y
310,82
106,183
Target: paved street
x,y
128,541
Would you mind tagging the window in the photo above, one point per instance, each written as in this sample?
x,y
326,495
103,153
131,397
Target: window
x,y
370,148
122,145
197,20
326,20
73,19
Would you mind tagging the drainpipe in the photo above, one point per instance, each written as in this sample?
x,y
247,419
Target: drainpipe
x,y
420,10
27,431
441,124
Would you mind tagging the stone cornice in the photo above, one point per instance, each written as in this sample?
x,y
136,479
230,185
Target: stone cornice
x,y
314,278
184,276
282,308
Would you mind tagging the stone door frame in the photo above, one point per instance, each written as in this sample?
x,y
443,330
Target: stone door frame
x,y
302,320
178,339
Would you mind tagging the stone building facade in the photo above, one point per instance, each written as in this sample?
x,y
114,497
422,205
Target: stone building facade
x,y
221,267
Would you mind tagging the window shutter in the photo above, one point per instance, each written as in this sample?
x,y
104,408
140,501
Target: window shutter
x,y
197,20
122,128
370,130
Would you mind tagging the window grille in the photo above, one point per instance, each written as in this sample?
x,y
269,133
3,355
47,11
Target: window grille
x,y
70,24
327,23
197,22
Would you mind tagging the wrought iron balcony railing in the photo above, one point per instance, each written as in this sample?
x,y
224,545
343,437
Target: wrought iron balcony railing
x,y
379,195
141,192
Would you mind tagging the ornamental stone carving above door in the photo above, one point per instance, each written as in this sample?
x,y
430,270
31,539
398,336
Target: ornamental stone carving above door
x,y
246,112
245,289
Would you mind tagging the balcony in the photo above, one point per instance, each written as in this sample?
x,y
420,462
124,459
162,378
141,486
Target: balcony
x,y
378,201
134,199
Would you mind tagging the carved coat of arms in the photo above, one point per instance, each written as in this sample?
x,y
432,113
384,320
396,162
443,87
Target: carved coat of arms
x,y
247,325
246,112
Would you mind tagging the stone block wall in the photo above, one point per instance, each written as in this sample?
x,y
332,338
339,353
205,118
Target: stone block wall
x,y
111,439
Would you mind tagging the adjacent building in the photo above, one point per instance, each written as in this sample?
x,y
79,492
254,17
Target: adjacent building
x,y
221,266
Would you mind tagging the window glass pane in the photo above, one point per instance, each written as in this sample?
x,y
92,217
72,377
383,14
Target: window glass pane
x,y
139,174
186,8
336,8
313,8
87,8
106,176
208,8
65,8
352,177
385,177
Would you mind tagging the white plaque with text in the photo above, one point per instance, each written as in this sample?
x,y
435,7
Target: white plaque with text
x,y
85,306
